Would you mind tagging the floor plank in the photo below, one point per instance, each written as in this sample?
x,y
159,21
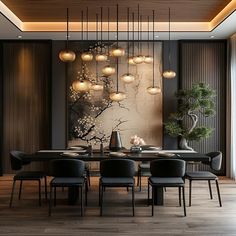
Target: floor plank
x,y
205,217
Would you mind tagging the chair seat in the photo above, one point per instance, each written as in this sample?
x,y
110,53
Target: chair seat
x,y
67,181
166,181
29,175
117,181
200,175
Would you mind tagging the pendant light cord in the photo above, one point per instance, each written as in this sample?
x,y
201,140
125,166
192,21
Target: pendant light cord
x,y
141,46
138,33
82,25
128,38
67,28
101,28
117,58
148,36
169,42
133,32
153,48
108,32
87,22
97,46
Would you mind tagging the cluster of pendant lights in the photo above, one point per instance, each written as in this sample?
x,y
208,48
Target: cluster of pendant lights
x,y
83,84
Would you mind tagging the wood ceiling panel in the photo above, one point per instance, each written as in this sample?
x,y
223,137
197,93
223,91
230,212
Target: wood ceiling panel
x,y
55,10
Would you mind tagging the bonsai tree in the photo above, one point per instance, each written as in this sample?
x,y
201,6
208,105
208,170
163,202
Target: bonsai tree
x,y
191,103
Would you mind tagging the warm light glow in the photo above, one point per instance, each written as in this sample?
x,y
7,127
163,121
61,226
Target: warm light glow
x,y
97,87
138,59
154,90
67,56
169,74
117,96
148,59
81,85
87,56
131,61
108,70
101,57
117,52
127,78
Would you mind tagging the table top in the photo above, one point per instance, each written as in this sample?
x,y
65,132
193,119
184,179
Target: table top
x,y
47,155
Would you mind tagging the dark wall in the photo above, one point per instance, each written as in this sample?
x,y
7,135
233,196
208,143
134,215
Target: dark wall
x,y
26,74
205,61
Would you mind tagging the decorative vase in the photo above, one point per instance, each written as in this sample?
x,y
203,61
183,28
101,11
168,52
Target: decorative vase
x,y
115,141
183,144
136,149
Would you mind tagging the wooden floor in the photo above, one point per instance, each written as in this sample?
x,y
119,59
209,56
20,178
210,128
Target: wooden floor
x,y
205,217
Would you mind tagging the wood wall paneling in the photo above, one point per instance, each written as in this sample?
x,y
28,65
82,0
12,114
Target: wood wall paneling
x,y
206,62
26,98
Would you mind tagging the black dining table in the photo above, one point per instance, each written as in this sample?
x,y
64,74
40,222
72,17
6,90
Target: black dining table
x,y
95,155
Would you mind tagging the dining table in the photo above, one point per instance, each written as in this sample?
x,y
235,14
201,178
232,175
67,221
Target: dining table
x,y
97,156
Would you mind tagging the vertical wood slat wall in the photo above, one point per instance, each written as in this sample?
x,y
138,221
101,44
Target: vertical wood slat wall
x,y
26,98
206,62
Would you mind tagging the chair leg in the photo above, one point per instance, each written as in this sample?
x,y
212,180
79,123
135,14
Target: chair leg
x,y
209,184
88,176
45,187
39,192
55,196
190,192
179,196
152,201
148,193
85,193
218,192
99,194
127,188
12,193
81,201
50,201
133,203
184,201
19,196
138,181
101,200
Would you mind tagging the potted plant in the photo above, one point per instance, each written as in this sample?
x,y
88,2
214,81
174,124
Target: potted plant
x,y
191,103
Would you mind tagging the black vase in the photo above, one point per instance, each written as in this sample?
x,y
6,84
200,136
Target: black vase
x,y
115,141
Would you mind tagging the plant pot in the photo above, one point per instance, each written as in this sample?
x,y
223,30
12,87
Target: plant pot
x,y
183,144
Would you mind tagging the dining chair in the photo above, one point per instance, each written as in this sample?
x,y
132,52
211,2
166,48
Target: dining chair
x,y
67,173
116,173
167,173
16,164
215,164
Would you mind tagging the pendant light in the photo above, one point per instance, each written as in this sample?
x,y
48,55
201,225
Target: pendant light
x,y
131,59
153,90
169,74
148,59
117,51
108,70
128,77
101,56
86,56
117,96
67,55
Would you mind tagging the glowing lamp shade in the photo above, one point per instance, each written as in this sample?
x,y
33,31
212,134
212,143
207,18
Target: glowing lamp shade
x,y
169,74
148,59
97,87
138,59
108,70
117,96
131,61
87,56
117,52
153,90
101,57
67,56
127,78
81,85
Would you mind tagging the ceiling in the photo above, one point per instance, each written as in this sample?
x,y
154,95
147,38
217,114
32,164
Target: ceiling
x,y
45,19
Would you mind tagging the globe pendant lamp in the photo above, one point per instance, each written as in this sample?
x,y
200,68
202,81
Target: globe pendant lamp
x,y
86,56
81,85
108,70
153,90
148,59
128,77
169,74
117,51
67,55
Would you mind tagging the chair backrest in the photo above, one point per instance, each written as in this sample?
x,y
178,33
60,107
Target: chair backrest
x,y
16,160
117,168
216,160
168,168
67,168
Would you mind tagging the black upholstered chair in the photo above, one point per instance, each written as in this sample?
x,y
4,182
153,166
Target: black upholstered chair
x,y
167,173
67,173
116,173
215,164
16,164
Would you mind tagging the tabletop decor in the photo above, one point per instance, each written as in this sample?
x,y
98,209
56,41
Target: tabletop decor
x,y
137,142
195,103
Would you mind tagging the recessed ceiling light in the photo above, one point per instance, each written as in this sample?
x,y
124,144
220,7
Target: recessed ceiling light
x,y
19,36
212,36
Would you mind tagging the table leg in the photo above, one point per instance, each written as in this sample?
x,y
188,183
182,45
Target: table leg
x,y
73,195
158,196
